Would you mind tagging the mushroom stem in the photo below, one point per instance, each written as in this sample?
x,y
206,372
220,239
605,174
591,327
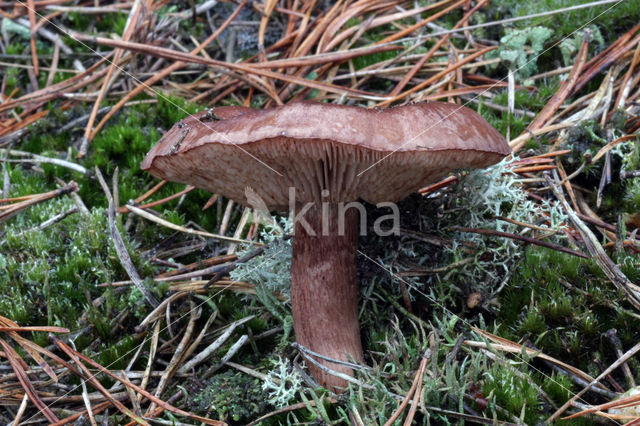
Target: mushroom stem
x,y
324,289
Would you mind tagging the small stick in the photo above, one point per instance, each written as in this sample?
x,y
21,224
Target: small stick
x,y
150,192
202,356
552,154
170,225
198,339
85,393
605,179
522,238
131,393
47,223
225,218
610,378
217,260
210,202
517,143
114,186
177,355
526,225
14,209
120,247
35,158
631,352
615,341
157,312
342,376
21,410
624,174
306,352
531,169
564,179
54,62
230,353
231,249
620,100
611,145
152,356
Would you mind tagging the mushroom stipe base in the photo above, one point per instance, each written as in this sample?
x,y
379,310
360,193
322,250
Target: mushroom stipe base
x,y
324,290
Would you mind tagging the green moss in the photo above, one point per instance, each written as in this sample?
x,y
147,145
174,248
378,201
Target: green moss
x,y
48,276
170,110
533,323
563,304
116,356
557,387
632,196
367,60
79,21
122,143
231,396
112,23
515,394
503,121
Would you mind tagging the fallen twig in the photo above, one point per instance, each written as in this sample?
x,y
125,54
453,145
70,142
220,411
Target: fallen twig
x,y
120,247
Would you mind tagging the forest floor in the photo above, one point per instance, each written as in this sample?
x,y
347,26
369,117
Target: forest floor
x,y
511,295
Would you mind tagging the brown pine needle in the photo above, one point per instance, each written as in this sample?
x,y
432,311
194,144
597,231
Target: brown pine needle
x,y
138,389
565,88
532,169
31,7
17,366
7,212
132,24
417,384
125,209
438,185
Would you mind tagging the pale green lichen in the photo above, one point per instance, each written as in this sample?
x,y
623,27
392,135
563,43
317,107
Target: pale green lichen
x,y
520,49
482,196
282,383
477,201
497,191
570,46
274,272
271,272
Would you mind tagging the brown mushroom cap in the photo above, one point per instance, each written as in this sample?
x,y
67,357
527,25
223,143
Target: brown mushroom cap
x,y
315,146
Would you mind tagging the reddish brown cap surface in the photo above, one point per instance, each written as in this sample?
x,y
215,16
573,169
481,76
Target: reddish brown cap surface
x,y
315,146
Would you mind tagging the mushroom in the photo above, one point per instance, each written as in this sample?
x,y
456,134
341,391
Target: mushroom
x,y
318,160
